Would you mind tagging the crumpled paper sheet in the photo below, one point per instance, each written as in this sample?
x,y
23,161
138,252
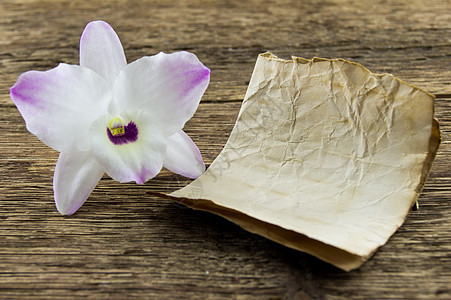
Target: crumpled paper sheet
x,y
325,157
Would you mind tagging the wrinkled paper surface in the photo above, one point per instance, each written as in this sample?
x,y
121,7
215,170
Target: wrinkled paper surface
x,y
325,157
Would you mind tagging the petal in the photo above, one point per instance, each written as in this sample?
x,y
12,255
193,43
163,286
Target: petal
x,y
136,159
183,157
76,175
60,104
101,50
167,86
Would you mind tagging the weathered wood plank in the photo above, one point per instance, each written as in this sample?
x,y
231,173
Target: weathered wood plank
x,y
123,243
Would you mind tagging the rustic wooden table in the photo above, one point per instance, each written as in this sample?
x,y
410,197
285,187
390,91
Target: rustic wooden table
x,y
124,243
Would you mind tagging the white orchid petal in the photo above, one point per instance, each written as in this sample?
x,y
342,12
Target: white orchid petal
x,y
60,104
167,86
136,156
76,175
183,157
101,50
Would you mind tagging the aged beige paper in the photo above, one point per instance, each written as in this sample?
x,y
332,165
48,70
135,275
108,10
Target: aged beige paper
x,y
325,157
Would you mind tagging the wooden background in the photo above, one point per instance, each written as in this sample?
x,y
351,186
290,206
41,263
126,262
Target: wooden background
x,y
125,244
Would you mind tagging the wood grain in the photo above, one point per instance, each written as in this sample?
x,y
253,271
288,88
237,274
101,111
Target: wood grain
x,y
125,244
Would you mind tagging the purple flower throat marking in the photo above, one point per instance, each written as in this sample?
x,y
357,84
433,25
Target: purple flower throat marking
x,y
129,135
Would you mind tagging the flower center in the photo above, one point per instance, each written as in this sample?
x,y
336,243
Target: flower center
x,y
120,134
116,127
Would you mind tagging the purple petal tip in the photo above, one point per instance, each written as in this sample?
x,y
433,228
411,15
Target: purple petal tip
x,y
144,175
91,26
27,85
197,77
98,22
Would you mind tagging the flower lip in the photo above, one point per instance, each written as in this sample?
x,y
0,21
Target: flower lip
x,y
129,134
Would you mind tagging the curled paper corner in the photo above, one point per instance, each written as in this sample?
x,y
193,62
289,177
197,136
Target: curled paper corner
x,y
325,157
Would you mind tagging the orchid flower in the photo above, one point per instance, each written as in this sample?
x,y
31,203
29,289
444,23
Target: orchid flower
x,y
107,116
